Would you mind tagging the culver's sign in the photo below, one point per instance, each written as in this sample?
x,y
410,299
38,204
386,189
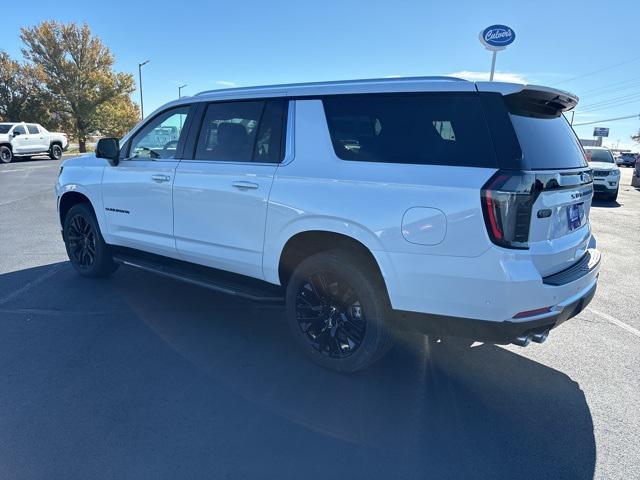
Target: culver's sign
x,y
497,37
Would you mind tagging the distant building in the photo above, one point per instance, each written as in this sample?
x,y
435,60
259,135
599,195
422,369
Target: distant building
x,y
591,142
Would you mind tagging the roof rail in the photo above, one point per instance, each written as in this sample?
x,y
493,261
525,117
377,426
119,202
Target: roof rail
x,y
440,78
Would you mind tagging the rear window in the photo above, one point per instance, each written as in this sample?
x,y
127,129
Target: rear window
x,y
426,129
594,155
547,143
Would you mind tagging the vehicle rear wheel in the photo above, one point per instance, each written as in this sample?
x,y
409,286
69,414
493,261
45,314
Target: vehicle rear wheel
x,y
87,251
55,152
338,311
6,155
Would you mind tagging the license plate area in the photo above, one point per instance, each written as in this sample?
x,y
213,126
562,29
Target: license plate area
x,y
575,216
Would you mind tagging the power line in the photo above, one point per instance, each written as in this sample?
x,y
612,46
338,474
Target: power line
x,y
637,115
615,88
610,105
610,86
611,100
598,71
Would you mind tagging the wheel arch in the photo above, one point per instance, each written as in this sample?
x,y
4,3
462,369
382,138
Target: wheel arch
x,y
310,242
70,199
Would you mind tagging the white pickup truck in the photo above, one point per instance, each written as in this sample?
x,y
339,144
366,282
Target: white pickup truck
x,y
28,139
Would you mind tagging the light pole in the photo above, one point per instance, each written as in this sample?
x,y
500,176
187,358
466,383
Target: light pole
x,y
140,65
180,87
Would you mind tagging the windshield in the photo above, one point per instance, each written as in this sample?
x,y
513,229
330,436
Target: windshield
x,y
5,128
599,155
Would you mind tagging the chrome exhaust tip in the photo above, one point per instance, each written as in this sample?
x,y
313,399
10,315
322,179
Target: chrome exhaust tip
x,y
523,340
540,337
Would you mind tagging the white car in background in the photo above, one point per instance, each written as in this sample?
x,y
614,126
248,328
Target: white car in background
x,y
29,139
606,173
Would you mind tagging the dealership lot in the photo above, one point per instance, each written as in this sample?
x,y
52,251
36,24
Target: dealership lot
x,y
139,376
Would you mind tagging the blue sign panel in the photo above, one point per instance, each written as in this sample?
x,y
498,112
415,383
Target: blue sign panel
x,y
600,132
497,37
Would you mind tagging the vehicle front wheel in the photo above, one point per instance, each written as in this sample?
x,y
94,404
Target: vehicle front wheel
x,y
87,251
6,155
338,311
614,196
55,152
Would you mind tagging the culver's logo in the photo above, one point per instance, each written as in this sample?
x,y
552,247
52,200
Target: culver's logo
x,y
497,36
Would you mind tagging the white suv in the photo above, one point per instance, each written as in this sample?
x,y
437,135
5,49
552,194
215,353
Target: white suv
x,y
606,173
28,139
452,208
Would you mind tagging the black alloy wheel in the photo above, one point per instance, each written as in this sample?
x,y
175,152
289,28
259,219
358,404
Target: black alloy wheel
x,y
330,314
87,250
82,241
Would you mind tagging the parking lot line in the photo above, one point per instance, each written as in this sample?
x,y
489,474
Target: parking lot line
x,y
31,284
617,322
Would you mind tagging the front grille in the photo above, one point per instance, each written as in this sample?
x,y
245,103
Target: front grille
x,y
601,173
600,188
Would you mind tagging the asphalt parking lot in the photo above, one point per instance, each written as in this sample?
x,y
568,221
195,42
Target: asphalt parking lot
x,y
138,376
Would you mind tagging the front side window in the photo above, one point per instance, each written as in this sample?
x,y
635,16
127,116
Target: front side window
x,y
159,138
428,129
246,131
20,129
33,129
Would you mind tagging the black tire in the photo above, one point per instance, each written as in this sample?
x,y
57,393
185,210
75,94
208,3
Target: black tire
x,y
55,152
87,251
6,155
338,311
614,196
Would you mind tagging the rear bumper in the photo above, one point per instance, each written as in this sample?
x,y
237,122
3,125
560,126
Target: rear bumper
x,y
490,331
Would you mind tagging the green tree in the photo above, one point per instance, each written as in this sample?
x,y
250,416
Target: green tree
x,y
77,72
115,118
22,95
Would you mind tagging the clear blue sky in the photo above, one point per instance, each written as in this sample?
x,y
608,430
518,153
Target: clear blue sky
x,y
213,44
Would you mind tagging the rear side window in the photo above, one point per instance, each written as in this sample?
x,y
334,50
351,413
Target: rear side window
x,y
426,129
33,129
247,131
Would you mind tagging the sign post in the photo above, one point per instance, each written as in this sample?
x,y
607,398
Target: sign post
x,y
494,39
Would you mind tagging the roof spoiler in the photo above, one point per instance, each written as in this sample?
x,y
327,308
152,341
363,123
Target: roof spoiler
x,y
532,100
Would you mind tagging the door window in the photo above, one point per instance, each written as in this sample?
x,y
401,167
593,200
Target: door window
x,y
159,139
20,129
248,131
33,129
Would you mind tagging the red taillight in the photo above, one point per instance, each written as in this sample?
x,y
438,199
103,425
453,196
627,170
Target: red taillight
x,y
507,200
532,313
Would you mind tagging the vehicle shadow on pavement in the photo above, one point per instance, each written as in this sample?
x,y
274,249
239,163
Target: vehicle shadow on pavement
x,y
602,203
140,376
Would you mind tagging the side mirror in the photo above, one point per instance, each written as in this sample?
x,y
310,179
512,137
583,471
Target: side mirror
x,y
108,148
16,133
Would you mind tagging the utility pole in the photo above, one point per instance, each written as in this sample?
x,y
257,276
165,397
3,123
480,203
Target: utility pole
x,y
140,65
180,87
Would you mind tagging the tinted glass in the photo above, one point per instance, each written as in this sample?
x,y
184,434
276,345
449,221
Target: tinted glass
x,y
432,129
594,155
229,131
159,138
5,128
270,140
19,129
547,143
33,129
